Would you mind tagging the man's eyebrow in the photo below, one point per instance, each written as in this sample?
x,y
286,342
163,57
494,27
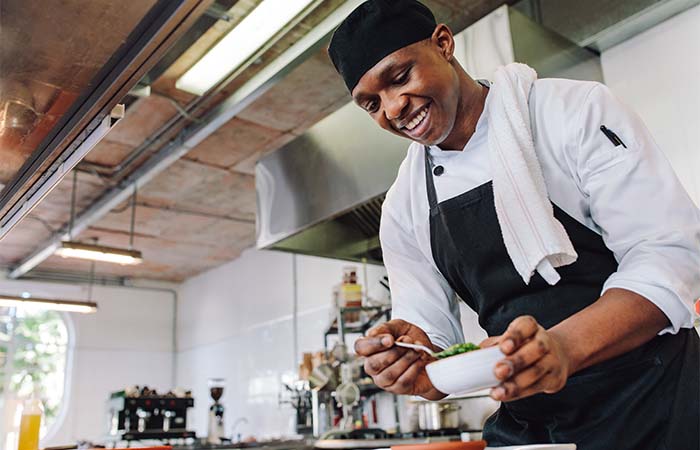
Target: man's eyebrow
x,y
391,68
384,75
361,97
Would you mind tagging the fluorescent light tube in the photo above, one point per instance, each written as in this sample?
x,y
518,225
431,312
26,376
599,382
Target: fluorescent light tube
x,y
99,253
246,38
53,304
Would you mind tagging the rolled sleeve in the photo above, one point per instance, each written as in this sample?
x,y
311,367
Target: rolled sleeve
x,y
420,294
645,215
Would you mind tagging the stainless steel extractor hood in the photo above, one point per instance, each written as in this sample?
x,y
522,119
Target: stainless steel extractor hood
x,y
321,194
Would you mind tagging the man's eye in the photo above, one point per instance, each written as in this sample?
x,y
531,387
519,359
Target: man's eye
x,y
402,78
371,106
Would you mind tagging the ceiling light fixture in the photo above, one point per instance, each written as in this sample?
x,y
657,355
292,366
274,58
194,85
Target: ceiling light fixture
x,y
53,304
93,252
258,28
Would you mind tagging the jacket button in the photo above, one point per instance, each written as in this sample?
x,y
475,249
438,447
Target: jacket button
x,y
438,170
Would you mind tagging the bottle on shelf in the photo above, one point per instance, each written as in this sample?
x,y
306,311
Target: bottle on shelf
x,y
350,293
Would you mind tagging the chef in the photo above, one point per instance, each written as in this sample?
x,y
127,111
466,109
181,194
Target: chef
x,y
596,331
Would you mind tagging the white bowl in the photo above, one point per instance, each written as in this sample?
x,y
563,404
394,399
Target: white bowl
x,y
467,372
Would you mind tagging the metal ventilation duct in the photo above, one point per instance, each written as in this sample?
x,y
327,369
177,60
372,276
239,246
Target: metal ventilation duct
x,y
321,194
601,24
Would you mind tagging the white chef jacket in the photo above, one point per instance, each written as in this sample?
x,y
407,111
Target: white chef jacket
x,y
631,196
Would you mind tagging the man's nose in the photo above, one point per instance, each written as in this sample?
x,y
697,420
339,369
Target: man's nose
x,y
395,107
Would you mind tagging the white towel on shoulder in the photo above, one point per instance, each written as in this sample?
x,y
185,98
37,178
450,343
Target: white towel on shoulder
x,y
534,238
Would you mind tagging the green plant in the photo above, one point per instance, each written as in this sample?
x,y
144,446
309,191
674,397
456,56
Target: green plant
x,y
35,357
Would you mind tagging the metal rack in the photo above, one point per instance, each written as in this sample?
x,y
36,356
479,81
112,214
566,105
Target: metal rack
x,y
338,326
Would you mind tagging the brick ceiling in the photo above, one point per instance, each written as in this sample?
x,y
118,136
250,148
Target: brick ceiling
x,y
200,212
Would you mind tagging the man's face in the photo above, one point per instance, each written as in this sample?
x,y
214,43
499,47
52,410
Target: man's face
x,y
413,92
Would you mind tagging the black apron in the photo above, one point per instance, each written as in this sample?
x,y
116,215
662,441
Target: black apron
x,y
648,398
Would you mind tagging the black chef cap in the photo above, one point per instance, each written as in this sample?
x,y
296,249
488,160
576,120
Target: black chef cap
x,y
374,30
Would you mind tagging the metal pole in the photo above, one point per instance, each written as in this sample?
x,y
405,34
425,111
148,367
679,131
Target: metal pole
x,y
92,280
341,325
72,205
133,218
365,301
295,312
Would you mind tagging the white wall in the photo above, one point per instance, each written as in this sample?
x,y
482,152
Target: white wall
x,y
128,341
656,73
235,322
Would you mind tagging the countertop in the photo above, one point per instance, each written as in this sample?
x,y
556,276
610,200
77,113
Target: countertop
x,y
309,445
270,445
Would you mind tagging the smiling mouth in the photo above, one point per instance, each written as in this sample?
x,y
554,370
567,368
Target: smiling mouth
x,y
417,120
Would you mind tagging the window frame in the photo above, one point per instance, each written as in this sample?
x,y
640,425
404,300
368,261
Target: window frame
x,y
60,419
53,430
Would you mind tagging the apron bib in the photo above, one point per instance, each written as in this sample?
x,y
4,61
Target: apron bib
x,y
648,398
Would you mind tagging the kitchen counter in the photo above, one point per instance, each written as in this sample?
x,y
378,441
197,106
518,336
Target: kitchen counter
x,y
309,445
270,445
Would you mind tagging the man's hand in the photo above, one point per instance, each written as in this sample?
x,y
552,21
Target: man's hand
x,y
540,360
396,369
536,361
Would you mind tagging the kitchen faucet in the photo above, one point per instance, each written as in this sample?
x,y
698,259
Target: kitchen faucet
x,y
236,422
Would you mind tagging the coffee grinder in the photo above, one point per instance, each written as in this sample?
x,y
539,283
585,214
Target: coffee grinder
x,y
216,411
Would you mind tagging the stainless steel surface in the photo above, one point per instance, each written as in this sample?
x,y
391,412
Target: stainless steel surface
x,y
549,53
320,176
158,29
438,415
601,24
45,185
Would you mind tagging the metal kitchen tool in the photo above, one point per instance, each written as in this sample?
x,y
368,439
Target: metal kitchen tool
x,y
438,415
323,377
416,347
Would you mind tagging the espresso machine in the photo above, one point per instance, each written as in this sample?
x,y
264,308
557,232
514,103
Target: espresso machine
x,y
140,413
216,412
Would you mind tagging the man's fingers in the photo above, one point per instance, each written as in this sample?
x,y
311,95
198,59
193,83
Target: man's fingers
x,y
388,377
490,342
524,357
519,331
509,393
379,361
379,329
540,377
528,377
395,327
406,382
368,346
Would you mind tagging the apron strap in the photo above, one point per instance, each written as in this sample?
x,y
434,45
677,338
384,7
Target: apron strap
x,y
429,183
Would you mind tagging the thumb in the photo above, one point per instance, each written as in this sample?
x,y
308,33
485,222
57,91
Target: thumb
x,y
395,328
491,341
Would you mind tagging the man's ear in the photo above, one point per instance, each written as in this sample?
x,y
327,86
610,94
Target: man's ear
x,y
444,40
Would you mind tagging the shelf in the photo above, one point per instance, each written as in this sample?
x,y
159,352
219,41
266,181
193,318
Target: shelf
x,y
379,311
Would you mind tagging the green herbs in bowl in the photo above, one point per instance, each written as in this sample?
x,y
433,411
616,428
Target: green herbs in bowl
x,y
457,349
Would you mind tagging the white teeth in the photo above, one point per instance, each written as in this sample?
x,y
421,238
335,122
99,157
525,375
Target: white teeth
x,y
417,120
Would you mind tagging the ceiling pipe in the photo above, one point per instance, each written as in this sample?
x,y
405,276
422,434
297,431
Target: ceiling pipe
x,y
147,42
46,185
191,136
